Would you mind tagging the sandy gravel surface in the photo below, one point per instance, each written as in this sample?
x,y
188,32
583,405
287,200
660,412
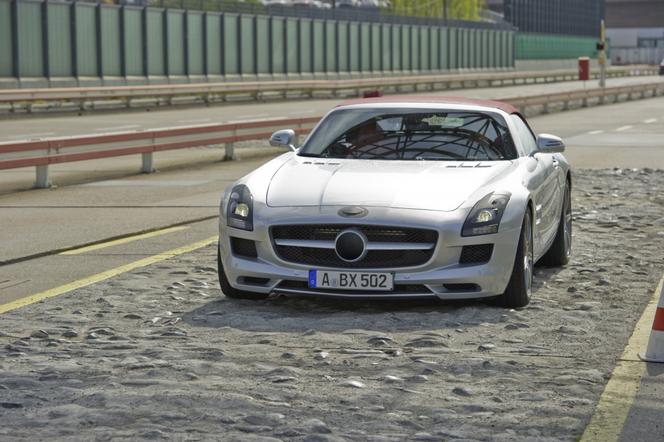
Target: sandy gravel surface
x,y
160,353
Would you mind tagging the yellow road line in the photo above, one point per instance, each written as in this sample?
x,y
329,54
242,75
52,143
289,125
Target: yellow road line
x,y
116,242
619,394
105,275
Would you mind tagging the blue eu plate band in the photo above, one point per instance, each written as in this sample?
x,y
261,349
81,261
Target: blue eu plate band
x,y
312,279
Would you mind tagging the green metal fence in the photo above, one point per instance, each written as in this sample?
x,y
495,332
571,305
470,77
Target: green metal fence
x,y
41,39
547,47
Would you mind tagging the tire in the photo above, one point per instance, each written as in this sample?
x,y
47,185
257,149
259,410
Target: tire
x,y
229,290
561,248
518,291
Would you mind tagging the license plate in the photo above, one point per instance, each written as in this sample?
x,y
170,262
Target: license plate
x,y
324,279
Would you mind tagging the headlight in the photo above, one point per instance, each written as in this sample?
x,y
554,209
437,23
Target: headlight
x,y
485,217
240,209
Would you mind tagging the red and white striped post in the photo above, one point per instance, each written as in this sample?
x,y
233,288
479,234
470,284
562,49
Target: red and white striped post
x,y
655,350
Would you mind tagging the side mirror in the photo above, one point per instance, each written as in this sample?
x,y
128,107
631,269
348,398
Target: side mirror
x,y
283,138
550,144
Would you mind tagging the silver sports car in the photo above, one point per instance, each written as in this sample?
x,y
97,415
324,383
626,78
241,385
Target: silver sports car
x,y
401,197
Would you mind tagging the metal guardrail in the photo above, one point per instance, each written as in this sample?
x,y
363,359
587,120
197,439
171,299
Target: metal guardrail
x,y
88,98
42,153
585,97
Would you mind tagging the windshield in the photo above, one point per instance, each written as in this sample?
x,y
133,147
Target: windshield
x,y
411,134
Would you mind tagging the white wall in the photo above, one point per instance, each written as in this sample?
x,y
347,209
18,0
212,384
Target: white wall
x,y
621,56
624,46
628,37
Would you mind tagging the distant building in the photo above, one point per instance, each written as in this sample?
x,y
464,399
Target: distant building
x,y
561,17
636,31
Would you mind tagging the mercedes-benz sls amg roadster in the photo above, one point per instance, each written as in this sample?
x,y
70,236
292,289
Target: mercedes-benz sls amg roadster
x,y
401,197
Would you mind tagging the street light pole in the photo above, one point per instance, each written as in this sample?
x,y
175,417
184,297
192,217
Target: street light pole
x,y
601,57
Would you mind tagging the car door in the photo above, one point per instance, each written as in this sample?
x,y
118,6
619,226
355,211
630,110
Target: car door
x,y
554,195
542,183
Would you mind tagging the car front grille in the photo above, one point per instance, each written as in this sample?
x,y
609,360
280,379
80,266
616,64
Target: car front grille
x,y
387,247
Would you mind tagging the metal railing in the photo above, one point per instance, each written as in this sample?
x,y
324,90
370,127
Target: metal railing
x,y
585,97
44,152
88,98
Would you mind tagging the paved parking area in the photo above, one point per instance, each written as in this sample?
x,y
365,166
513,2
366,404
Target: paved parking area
x,y
158,352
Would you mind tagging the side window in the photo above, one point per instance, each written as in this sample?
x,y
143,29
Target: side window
x,y
524,133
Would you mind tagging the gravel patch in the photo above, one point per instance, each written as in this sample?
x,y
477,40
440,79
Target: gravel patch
x,y
159,353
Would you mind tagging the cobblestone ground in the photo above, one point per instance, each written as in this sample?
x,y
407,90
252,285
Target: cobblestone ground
x,y
160,353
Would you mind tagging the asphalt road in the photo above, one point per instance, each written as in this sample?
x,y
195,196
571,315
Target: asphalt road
x,y
626,135
118,121
114,201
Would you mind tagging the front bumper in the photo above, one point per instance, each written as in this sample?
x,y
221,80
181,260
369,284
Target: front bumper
x,y
442,276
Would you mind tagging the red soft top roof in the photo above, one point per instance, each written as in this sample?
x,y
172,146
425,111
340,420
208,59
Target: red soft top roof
x,y
438,99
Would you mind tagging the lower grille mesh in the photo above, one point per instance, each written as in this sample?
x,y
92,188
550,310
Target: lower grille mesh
x,y
410,289
243,247
478,254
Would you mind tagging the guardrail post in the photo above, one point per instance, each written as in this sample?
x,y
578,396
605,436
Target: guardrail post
x,y
566,103
296,142
229,149
148,162
42,181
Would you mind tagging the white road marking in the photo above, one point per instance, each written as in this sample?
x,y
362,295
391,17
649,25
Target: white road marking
x,y
114,128
650,120
196,120
623,128
31,136
595,132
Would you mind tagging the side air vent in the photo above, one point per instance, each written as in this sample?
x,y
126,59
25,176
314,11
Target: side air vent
x,y
243,248
479,254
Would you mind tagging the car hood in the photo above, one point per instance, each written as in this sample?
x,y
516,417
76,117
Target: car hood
x,y
423,185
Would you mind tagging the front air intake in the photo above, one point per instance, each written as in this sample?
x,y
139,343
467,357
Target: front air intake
x,y
478,254
243,248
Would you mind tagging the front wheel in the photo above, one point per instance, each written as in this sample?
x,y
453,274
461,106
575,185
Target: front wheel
x,y
561,249
228,289
518,291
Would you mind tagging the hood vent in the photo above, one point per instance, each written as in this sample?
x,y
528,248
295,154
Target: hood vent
x,y
469,165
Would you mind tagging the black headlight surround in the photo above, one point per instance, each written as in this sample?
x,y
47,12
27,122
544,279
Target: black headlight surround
x,y
495,202
240,195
